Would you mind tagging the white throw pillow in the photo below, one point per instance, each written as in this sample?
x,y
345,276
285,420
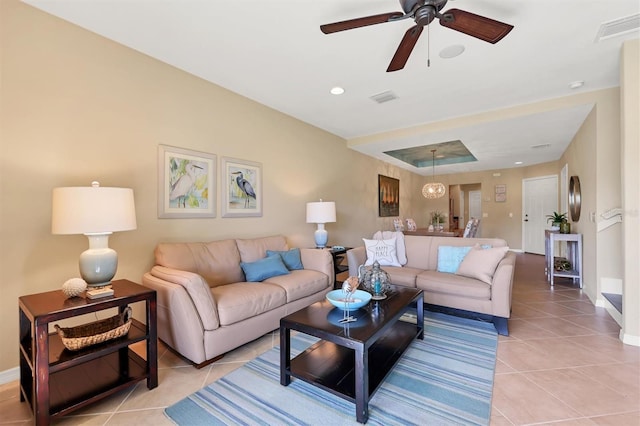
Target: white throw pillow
x,y
401,250
384,251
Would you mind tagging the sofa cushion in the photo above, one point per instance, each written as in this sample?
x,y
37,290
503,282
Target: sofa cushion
x,y
256,248
402,275
218,262
442,282
300,283
262,269
239,301
382,251
450,257
291,258
481,263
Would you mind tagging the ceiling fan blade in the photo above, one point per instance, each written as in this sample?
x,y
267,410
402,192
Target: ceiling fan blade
x,y
404,49
359,22
477,26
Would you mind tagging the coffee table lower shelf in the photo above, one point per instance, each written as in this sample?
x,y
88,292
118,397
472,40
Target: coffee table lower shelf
x,y
332,367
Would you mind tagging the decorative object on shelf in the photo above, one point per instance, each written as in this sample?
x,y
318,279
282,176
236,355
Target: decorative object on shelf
x,y
433,190
241,188
411,225
575,198
74,287
96,212
186,183
375,280
556,219
398,225
565,227
388,196
561,264
321,212
501,193
76,338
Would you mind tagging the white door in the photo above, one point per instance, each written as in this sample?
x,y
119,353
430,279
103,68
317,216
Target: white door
x,y
475,208
539,198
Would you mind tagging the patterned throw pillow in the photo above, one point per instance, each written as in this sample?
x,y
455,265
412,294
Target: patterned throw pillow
x,y
384,251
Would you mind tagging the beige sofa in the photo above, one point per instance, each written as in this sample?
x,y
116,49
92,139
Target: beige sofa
x,y
205,305
466,295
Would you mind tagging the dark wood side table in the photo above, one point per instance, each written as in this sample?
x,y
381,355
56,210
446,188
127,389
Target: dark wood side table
x,y
338,255
55,380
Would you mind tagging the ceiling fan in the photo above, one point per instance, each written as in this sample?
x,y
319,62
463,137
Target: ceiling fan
x,y
423,12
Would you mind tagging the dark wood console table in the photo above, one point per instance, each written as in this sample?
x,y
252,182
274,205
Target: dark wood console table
x,y
55,380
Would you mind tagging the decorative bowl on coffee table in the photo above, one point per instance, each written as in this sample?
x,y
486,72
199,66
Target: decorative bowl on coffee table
x,y
356,300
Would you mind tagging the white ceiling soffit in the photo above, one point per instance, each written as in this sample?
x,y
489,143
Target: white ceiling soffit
x,y
274,53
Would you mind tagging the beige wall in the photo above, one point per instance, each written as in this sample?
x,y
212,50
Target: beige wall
x,y
630,105
76,107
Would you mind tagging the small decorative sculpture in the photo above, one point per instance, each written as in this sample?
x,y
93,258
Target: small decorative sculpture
x,y
74,287
375,280
349,288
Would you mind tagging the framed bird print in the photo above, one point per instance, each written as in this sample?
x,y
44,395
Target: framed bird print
x,y
186,183
241,188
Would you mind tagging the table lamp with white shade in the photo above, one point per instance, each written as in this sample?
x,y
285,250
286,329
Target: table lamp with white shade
x,y
321,212
96,212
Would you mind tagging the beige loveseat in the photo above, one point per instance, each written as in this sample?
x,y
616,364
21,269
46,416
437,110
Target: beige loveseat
x,y
205,305
470,296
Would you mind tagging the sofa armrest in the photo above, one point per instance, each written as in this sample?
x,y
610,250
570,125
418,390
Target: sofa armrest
x,y
502,284
318,260
197,289
355,257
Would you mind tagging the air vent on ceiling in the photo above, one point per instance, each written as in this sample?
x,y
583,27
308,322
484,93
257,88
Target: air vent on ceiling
x,y
384,97
618,27
541,146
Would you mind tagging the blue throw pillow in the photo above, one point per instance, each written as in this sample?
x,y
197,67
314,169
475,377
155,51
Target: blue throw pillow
x,y
290,258
449,258
260,270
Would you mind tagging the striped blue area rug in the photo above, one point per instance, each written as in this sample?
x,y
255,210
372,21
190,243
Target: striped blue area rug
x,y
446,379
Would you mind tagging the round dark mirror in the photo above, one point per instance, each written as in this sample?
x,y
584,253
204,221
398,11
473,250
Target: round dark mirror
x,y
574,198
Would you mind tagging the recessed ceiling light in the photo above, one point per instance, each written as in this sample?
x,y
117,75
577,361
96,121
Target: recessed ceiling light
x,y
518,162
576,84
452,51
337,90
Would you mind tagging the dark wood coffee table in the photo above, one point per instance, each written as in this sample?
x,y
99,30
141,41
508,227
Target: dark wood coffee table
x,y
351,360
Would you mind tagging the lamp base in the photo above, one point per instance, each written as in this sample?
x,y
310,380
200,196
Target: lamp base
x,y
99,263
321,236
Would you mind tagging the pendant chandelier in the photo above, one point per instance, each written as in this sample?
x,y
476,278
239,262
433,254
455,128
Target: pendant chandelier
x,y
433,189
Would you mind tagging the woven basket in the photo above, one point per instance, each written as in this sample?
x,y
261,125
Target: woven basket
x,y
76,338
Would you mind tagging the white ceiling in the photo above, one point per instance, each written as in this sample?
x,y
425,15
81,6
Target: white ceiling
x,y
272,51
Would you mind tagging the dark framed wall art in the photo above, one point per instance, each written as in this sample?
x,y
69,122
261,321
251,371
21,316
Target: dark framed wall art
x,y
388,196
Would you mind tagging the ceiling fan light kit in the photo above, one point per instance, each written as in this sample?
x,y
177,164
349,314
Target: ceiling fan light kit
x,y
423,12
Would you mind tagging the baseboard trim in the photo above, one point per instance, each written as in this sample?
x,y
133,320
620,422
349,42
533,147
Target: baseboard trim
x,y
9,375
629,339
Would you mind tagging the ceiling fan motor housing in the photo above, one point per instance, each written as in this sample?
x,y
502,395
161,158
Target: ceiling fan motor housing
x,y
412,6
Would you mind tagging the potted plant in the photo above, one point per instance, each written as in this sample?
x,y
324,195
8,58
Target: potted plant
x,y
437,220
559,222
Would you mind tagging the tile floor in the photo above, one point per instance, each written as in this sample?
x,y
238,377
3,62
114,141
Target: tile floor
x,y
562,364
